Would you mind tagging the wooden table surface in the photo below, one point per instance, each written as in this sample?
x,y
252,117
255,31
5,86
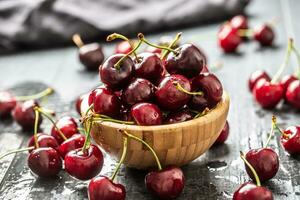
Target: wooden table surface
x,y
217,173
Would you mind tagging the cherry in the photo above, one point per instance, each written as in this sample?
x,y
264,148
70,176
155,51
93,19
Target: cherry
x,y
168,96
256,76
43,140
7,103
286,81
205,69
228,38
187,60
44,162
239,22
67,125
24,114
103,188
116,76
176,117
146,114
154,50
290,140
250,191
84,165
123,47
74,142
149,66
264,34
223,135
293,94
167,183
139,90
78,103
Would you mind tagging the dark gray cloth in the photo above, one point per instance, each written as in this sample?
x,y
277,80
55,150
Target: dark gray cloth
x,y
40,23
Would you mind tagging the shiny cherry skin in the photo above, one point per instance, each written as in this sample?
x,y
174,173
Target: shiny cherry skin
x,y
176,117
291,140
105,102
68,127
79,101
84,166
239,22
265,161
286,81
267,94
44,162
165,184
91,56
250,191
223,135
24,114
113,77
43,140
188,62
146,114
228,38
139,90
7,103
149,66
293,94
74,142
167,94
123,47
256,76
103,188
264,34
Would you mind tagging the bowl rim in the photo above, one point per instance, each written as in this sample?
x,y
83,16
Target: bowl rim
x,y
222,105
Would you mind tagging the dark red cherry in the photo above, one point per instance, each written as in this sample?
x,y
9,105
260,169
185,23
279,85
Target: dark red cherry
x,y
189,61
146,114
223,135
291,140
113,76
176,117
239,22
43,140
205,69
167,183
91,56
74,142
44,162
293,94
106,102
167,94
256,76
264,34
24,114
265,162
228,38
84,166
267,94
123,47
126,114
250,191
139,90
68,127
149,66
102,188
286,81
78,102
7,103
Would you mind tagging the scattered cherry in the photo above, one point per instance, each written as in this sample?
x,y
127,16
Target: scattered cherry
x,y
250,191
7,103
293,94
176,117
228,38
223,135
67,125
264,34
74,142
146,114
43,140
239,22
256,76
290,140
91,56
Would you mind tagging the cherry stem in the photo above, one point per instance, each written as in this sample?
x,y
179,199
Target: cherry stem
x,y
285,62
251,168
165,54
180,88
52,121
298,61
123,156
16,151
143,39
36,123
35,96
272,131
88,135
77,40
245,33
200,114
146,144
274,122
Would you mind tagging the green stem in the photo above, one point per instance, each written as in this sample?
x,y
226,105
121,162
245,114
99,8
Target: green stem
x,y
36,123
147,145
16,151
245,33
35,96
251,168
298,61
180,88
276,127
113,120
165,54
88,135
200,114
124,152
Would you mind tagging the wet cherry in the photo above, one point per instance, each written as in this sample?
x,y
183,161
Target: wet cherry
x,y
176,117
228,38
7,103
264,34
68,127
256,76
146,114
223,135
293,94
250,191
290,140
74,142
91,56
43,140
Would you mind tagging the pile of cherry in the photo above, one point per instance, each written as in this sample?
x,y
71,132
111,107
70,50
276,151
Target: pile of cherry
x,y
270,92
232,33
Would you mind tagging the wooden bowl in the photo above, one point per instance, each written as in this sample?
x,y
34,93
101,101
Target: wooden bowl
x,y
175,144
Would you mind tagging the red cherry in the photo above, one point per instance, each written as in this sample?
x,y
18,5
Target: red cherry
x,y
250,191
68,127
167,183
43,140
78,102
146,114
44,162
154,50
176,117
264,34
7,103
91,56
24,114
291,140
293,94
123,47
205,69
256,76
228,38
239,22
103,188
84,166
267,94
286,81
223,135
74,142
